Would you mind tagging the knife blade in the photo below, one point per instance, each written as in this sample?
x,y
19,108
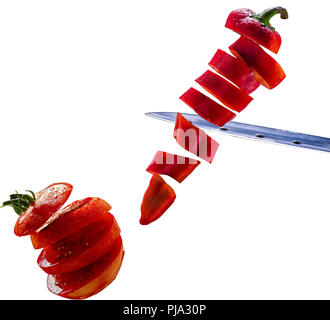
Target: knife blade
x,y
250,131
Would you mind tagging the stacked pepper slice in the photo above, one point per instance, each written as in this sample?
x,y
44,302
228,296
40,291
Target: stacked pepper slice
x,y
238,76
234,70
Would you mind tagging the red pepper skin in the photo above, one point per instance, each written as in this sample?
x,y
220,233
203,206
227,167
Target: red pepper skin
x,y
47,202
231,96
91,279
243,22
69,220
80,249
207,108
194,139
234,70
266,70
157,199
172,165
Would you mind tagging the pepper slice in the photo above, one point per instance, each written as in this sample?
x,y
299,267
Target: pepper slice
x,y
69,220
231,96
257,27
80,249
207,108
194,139
46,202
234,70
90,280
157,199
172,165
266,70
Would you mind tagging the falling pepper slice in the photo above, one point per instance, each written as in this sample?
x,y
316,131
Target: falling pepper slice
x,y
207,108
194,139
234,70
266,70
157,199
257,27
231,96
172,165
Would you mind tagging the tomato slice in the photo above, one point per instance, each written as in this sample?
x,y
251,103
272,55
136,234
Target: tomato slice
x,y
69,220
47,202
80,249
90,280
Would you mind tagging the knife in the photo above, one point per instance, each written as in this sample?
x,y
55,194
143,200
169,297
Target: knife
x,y
250,131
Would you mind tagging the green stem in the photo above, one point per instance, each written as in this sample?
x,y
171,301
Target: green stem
x,y
20,202
265,16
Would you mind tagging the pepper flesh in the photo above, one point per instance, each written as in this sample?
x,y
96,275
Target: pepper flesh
x,y
231,96
207,108
266,70
158,197
257,26
194,139
234,70
172,165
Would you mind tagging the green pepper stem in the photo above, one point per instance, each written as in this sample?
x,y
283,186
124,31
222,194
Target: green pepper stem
x,y
265,16
20,202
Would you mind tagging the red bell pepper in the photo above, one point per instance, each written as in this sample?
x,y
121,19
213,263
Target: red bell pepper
x,y
35,209
207,108
234,70
266,70
69,220
231,96
157,199
172,165
257,27
91,279
80,249
194,139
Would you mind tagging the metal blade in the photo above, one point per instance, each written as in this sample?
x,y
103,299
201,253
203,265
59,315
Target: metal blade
x,y
254,132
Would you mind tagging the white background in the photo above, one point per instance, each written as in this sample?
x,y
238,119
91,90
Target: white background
x,y
76,78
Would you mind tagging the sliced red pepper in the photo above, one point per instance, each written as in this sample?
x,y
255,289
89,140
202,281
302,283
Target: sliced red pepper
x,y
257,27
90,280
69,220
157,199
234,70
266,70
207,108
34,215
80,249
231,96
194,139
172,165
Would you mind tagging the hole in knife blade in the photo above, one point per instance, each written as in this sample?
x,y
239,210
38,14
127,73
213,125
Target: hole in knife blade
x,y
224,129
259,136
296,142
